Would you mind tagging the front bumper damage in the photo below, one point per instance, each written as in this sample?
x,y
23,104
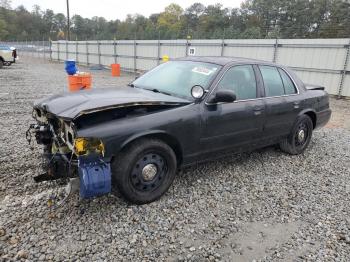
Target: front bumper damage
x,y
61,161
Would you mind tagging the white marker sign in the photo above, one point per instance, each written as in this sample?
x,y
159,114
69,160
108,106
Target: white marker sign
x,y
191,51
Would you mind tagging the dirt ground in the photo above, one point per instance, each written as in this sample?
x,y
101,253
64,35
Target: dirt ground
x,y
340,113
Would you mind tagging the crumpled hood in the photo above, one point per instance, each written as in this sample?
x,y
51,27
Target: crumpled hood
x,y
72,105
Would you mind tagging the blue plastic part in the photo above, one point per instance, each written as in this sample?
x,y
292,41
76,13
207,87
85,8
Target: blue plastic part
x,y
69,66
95,176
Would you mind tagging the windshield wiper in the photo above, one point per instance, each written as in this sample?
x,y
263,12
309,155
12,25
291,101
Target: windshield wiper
x,y
155,90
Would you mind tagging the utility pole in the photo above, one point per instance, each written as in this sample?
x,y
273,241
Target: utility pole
x,y
68,22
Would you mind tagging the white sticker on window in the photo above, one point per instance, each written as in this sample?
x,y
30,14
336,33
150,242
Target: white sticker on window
x,y
203,70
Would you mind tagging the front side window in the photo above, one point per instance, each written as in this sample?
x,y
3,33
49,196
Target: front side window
x,y
178,77
241,80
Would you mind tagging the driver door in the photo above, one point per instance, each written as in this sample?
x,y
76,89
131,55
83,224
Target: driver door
x,y
237,124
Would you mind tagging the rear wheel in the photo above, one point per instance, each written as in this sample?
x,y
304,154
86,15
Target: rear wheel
x,y
144,171
1,64
300,136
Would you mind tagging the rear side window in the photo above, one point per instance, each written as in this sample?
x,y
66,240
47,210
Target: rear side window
x,y
241,80
272,81
289,87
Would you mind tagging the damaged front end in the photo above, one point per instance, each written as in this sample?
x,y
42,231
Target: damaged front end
x,y
67,156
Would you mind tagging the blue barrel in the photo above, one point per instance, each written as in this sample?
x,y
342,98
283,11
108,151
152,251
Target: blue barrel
x,y
70,67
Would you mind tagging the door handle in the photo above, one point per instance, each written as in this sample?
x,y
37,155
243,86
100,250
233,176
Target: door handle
x,y
296,104
257,110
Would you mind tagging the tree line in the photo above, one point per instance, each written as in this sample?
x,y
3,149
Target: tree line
x,y
254,19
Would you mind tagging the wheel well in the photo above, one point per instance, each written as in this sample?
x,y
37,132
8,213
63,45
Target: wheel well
x,y
167,139
312,115
2,59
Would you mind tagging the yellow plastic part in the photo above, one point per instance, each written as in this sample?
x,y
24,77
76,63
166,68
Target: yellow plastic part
x,y
165,58
84,146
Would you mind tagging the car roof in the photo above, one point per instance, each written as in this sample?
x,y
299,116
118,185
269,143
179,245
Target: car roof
x,y
222,60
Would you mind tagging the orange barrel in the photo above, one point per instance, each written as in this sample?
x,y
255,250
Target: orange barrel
x,y
115,69
79,82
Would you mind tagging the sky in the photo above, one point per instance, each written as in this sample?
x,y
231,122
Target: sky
x,y
114,9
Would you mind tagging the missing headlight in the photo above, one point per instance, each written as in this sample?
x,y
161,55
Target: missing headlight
x,y
85,146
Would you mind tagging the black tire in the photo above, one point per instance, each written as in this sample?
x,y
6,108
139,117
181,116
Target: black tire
x,y
144,171
1,64
300,136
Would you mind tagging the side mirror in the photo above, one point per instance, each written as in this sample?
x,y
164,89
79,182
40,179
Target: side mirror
x,y
223,96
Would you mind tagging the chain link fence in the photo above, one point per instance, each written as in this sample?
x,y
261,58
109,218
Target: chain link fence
x,y
40,49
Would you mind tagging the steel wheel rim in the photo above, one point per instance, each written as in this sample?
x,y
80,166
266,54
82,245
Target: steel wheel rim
x,y
148,172
301,135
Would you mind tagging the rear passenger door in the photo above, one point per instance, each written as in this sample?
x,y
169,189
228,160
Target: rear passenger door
x,y
281,100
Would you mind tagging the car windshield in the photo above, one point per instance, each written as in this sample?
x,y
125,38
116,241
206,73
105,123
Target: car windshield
x,y
178,77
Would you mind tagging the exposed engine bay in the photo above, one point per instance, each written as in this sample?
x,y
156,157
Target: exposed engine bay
x,y
67,156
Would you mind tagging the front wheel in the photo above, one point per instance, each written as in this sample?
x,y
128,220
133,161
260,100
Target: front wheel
x,y
300,136
144,171
1,64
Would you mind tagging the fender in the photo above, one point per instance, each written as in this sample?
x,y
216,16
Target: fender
x,y
161,134
305,111
142,134
311,113
148,133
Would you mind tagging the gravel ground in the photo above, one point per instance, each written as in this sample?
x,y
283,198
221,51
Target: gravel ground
x,y
261,206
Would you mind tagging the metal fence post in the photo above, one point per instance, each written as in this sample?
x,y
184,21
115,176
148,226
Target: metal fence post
x,y
76,50
66,49
158,50
346,62
275,51
44,56
187,46
223,43
99,52
135,56
87,53
58,50
50,45
115,51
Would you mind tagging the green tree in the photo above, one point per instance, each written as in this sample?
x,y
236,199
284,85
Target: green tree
x,y
254,19
3,31
170,21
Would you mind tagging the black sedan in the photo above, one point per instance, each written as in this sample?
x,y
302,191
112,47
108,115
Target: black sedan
x,y
181,112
